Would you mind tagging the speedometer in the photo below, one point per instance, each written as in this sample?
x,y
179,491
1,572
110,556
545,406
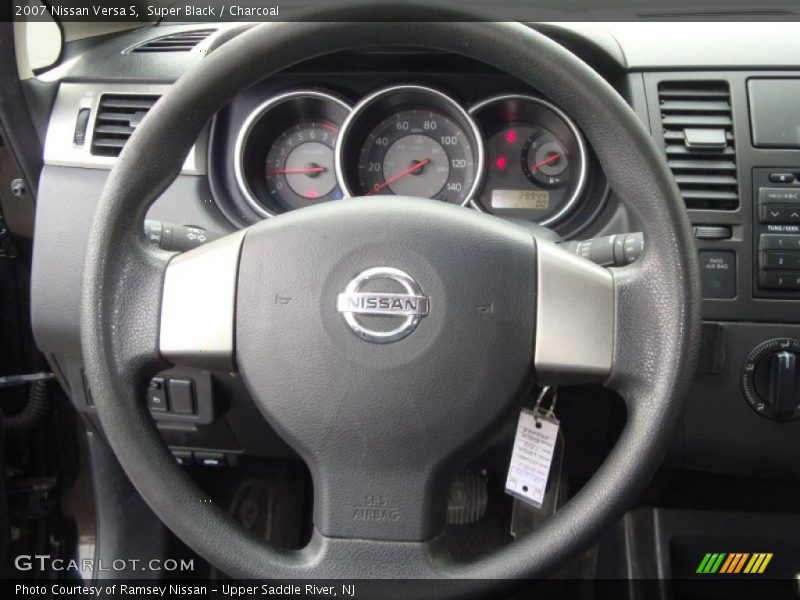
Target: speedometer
x,y
410,141
417,153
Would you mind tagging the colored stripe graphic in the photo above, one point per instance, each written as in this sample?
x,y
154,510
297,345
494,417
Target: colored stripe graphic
x,y
729,563
751,564
758,563
734,563
717,563
740,564
703,563
765,563
711,562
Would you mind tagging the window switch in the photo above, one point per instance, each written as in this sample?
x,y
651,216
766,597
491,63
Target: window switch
x,y
157,395
181,395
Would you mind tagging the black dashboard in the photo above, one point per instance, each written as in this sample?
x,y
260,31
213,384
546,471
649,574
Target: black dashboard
x,y
396,121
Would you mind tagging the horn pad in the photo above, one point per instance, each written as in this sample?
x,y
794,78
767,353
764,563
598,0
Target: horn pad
x,y
384,339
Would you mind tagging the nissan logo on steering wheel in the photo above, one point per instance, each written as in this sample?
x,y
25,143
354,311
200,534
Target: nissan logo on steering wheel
x,y
376,298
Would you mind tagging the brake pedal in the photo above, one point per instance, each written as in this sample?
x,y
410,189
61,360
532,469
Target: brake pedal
x,y
468,500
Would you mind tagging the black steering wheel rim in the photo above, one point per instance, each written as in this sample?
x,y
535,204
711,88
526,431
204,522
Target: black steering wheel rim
x,y
657,299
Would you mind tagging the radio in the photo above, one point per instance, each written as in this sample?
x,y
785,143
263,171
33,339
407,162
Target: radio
x,y
776,228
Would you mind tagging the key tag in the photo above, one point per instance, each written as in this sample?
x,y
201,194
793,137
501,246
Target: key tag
x,y
534,449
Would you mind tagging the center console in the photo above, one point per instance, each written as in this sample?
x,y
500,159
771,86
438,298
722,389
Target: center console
x,y
731,139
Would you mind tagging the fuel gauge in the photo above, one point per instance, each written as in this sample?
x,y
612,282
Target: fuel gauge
x,y
536,159
544,160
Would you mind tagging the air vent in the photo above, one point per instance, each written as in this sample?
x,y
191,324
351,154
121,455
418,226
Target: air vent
x,y
178,42
118,115
698,136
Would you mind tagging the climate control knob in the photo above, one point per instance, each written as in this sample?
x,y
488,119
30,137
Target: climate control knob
x,y
771,379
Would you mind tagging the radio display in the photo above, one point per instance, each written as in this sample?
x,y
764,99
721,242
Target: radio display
x,y
521,199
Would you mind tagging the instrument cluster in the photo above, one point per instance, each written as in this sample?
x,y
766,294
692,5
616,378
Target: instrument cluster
x,y
512,155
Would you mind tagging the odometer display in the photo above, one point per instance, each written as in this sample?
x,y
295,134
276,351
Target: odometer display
x,y
410,141
417,153
523,199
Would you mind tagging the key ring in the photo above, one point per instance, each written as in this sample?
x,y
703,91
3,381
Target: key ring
x,y
550,412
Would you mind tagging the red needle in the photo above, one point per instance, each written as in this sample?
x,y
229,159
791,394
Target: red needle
x,y
299,170
400,175
546,161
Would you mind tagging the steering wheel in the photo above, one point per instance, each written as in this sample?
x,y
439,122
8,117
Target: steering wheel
x,y
383,427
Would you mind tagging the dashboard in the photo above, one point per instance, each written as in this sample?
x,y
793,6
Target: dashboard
x,y
512,155
503,150
408,122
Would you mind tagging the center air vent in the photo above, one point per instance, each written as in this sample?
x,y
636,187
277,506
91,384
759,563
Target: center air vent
x,y
698,136
178,42
117,117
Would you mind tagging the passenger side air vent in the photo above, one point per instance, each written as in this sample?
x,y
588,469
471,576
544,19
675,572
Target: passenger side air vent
x,y
178,42
118,115
698,137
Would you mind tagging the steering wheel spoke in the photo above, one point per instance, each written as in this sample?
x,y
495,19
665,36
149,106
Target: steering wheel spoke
x,y
575,318
383,500
198,304
396,564
131,335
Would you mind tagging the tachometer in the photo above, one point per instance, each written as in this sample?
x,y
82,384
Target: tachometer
x,y
410,141
284,155
300,165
